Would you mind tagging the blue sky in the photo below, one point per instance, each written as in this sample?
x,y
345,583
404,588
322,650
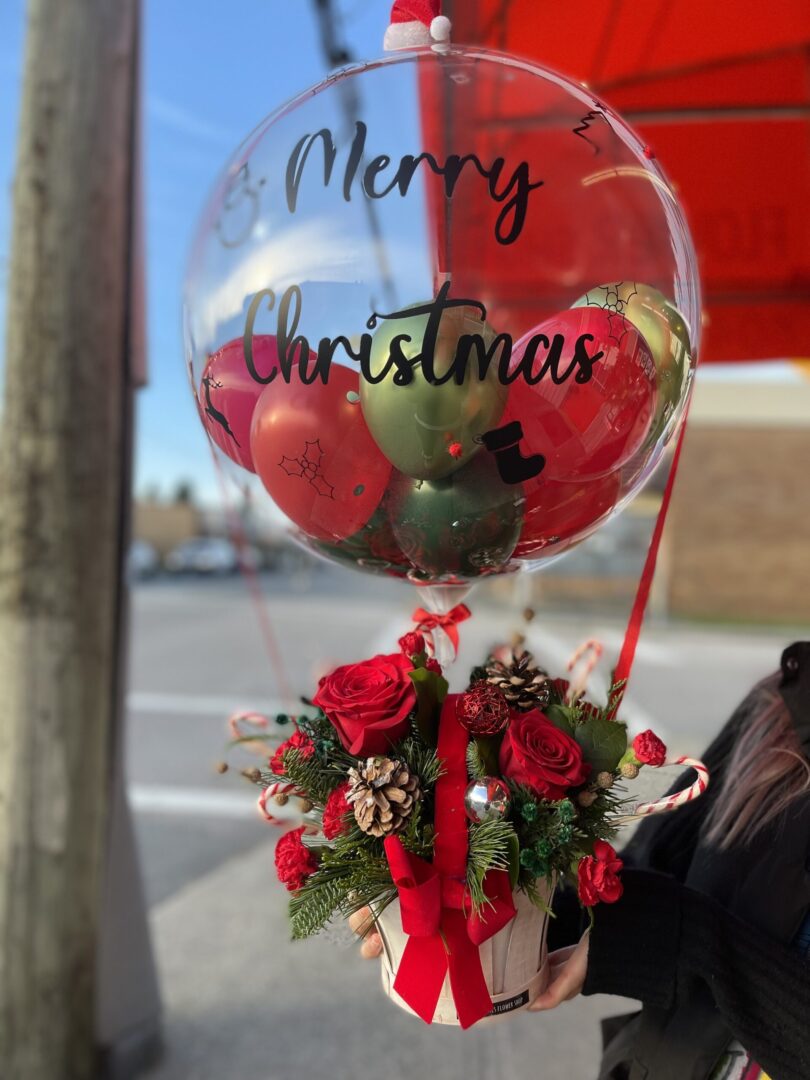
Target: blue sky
x,y
211,72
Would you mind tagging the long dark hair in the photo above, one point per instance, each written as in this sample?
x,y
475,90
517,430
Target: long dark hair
x,y
766,773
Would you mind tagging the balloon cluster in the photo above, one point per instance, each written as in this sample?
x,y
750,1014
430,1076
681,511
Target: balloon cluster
x,y
450,438
411,479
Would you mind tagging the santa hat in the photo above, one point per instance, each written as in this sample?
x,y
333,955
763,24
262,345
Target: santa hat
x,y
416,22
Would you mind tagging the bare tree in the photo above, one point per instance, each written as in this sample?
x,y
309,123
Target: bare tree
x,y
63,450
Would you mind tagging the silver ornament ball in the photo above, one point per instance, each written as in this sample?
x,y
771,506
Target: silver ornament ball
x,y
486,799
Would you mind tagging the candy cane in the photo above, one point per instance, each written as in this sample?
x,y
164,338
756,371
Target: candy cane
x,y
590,653
674,801
276,788
253,718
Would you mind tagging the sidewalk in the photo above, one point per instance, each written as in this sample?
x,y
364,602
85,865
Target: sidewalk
x,y
242,1002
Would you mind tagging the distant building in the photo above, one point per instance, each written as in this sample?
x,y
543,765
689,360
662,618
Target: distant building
x,y
737,545
164,525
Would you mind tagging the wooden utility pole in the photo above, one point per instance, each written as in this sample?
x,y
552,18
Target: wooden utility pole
x,y
63,466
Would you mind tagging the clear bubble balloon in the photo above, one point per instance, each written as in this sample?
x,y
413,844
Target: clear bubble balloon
x,y
442,315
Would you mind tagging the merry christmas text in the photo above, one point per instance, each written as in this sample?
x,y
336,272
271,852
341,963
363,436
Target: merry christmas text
x,y
513,190
556,359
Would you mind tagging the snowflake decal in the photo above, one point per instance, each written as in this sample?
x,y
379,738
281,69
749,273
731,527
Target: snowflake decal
x,y
584,126
308,467
614,300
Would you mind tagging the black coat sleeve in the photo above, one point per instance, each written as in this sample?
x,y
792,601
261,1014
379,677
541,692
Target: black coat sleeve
x,y
661,936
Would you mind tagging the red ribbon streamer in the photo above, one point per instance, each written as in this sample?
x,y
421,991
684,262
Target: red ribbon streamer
x,y
444,934
427,620
424,11
631,635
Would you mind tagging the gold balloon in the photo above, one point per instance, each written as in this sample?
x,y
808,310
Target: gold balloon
x,y
429,431
665,331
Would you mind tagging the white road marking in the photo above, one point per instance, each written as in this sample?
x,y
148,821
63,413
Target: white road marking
x,y
191,802
140,701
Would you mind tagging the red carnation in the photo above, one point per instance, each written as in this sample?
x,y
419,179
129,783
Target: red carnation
x,y
412,644
649,749
434,666
536,753
334,813
294,862
598,875
297,741
369,704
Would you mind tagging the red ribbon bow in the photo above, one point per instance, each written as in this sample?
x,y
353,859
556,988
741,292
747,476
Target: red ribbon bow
x,y
428,620
443,932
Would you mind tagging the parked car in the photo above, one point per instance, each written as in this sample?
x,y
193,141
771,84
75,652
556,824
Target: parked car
x,y
203,555
142,561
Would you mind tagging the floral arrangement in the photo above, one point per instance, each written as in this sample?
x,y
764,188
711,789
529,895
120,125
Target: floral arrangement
x,y
465,809
543,768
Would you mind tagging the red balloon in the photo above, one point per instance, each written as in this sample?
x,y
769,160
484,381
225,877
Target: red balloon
x,y
228,395
556,512
587,428
315,455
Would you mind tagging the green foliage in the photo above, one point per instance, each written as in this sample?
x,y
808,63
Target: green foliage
x,y
488,750
529,887
615,695
603,742
309,775
491,847
514,859
431,690
476,768
562,717
422,761
338,888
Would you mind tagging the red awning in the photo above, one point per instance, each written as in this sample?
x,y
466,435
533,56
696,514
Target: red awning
x,y
722,94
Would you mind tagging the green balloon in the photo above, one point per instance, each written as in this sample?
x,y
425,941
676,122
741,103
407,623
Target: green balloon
x,y
372,548
429,431
465,525
664,329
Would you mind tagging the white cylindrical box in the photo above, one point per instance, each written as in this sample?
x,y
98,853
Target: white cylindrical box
x,y
514,961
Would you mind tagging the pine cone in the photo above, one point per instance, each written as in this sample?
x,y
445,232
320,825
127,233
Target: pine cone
x,y
522,684
383,793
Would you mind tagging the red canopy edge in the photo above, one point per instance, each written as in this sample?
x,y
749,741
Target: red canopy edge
x,y
725,104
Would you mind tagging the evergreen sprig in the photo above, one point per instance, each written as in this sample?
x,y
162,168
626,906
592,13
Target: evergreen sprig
x,y
345,881
311,776
491,845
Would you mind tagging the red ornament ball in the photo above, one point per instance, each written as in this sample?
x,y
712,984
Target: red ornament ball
x,y
483,710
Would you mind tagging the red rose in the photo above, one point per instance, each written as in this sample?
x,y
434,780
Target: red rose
x,y
649,749
412,644
433,665
536,753
598,875
298,741
334,822
294,862
369,703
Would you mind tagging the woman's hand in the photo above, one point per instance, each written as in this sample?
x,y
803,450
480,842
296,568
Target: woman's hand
x,y
362,924
568,968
